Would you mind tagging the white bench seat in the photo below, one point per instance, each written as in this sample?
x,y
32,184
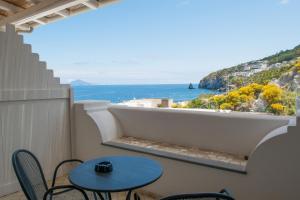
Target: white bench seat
x,y
188,154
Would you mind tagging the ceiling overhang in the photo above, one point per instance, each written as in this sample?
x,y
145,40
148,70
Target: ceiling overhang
x,y
26,15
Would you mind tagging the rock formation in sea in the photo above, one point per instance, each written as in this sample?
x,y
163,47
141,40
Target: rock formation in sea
x,y
191,86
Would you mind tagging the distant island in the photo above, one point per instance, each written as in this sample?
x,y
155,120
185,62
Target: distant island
x,y
265,85
79,83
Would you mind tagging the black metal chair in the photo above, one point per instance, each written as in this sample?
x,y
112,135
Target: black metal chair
x,y
222,195
32,180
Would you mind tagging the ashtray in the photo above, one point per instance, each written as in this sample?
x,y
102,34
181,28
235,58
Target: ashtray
x,y
104,167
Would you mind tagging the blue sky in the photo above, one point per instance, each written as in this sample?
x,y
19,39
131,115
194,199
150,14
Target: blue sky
x,y
165,41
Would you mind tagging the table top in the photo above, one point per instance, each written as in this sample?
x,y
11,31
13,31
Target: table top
x,y
129,172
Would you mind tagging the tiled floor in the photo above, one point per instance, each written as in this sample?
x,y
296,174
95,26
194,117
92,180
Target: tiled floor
x,y
75,195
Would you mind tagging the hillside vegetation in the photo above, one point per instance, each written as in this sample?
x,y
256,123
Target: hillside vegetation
x,y
251,98
271,90
284,55
277,64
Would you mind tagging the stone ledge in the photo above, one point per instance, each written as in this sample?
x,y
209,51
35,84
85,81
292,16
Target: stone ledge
x,y
199,156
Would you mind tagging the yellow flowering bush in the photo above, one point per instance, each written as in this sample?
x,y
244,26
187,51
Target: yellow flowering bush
x,y
277,108
272,93
245,99
247,90
251,89
217,100
233,98
226,106
257,88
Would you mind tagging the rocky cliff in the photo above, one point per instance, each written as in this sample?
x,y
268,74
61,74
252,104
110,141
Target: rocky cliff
x,y
214,81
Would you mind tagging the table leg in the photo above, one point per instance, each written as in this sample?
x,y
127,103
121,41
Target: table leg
x,y
128,195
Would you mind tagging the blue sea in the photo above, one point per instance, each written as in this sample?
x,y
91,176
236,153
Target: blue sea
x,y
120,93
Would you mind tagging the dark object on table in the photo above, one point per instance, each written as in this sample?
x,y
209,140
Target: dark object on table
x,y
129,173
104,167
32,179
222,195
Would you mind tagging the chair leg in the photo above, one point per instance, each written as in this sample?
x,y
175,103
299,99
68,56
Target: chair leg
x,y
95,196
100,195
136,197
128,195
108,195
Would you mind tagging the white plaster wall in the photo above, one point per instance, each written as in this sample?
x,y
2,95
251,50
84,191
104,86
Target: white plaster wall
x,y
93,124
34,110
236,133
274,165
105,121
272,171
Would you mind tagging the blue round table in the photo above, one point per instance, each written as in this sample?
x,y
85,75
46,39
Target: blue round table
x,y
129,173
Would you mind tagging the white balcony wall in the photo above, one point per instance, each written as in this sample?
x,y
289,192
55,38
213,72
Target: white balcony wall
x,y
34,110
208,130
271,171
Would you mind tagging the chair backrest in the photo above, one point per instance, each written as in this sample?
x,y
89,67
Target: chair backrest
x,y
200,196
29,174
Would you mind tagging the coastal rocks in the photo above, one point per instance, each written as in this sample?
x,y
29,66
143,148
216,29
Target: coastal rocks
x,y
213,82
287,80
259,105
191,86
